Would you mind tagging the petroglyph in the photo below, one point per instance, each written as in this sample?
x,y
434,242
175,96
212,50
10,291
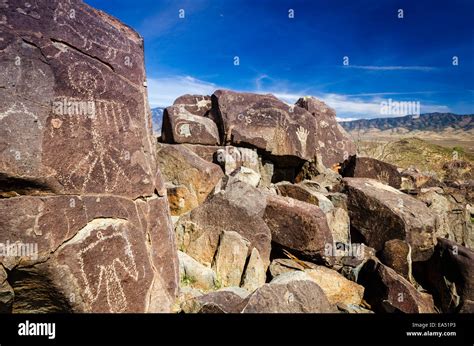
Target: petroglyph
x,y
21,110
107,37
100,273
89,81
302,135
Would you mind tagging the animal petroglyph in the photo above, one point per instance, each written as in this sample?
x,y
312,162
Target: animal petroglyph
x,y
99,269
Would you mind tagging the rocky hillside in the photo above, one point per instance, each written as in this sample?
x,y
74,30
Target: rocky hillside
x,y
425,122
351,238
245,205
415,152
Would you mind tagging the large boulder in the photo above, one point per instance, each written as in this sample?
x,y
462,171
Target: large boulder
x,y
299,227
266,123
333,143
182,126
449,274
75,134
180,166
367,167
337,288
386,291
239,209
299,296
381,213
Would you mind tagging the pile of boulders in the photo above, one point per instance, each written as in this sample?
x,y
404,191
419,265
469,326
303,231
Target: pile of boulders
x,y
273,211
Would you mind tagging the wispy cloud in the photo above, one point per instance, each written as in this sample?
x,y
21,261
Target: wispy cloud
x,y
392,68
163,91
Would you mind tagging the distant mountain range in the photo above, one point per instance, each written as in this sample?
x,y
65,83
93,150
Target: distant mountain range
x,y
157,119
436,122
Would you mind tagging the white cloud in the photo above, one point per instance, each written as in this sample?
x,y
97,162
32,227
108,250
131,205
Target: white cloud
x,y
163,91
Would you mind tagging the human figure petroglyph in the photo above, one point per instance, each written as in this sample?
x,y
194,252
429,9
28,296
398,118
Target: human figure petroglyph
x,y
89,81
104,273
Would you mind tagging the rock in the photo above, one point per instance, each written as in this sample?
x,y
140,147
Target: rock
x,y
413,179
321,176
386,291
367,167
181,126
215,302
255,273
334,144
291,276
268,124
230,258
195,104
298,226
339,224
240,209
247,175
453,218
396,254
78,151
381,213
449,274
337,218
336,287
195,274
231,158
292,297
180,166
6,293
180,199
285,265
306,194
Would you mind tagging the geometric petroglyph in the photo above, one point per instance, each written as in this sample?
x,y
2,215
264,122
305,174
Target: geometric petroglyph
x,y
22,110
99,269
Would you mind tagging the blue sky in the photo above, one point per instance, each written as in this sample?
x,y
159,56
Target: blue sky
x,y
403,59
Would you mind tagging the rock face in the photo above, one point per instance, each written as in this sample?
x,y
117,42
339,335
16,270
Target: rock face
x,y
292,297
396,254
337,288
266,123
449,274
78,141
386,291
381,213
366,167
182,126
298,226
333,144
6,293
238,209
230,258
180,166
